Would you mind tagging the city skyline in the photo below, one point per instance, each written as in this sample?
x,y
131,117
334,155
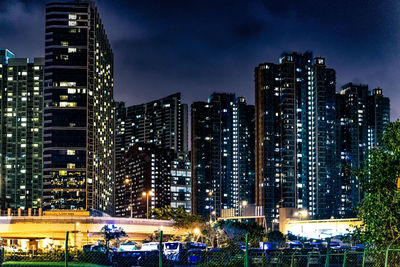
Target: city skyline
x,y
199,132
172,57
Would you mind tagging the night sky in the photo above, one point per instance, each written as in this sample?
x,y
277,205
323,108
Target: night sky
x,y
197,47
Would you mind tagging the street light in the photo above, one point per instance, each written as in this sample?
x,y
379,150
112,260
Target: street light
x,y
211,194
147,194
244,205
76,225
302,214
128,182
196,231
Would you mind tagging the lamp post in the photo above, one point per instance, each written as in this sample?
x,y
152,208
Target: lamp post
x,y
147,194
211,194
302,214
243,206
128,182
39,200
196,232
76,224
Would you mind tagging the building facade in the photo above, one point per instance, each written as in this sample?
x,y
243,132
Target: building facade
x,y
222,157
181,181
5,54
162,122
79,109
309,139
21,138
295,136
144,180
362,116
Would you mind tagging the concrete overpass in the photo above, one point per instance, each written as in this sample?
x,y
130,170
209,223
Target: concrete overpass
x,y
49,231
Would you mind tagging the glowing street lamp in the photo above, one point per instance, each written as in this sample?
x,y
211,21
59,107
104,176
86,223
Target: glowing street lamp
x,y
302,214
147,194
196,231
128,182
242,206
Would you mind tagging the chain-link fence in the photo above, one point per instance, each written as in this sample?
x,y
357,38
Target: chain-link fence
x,y
227,256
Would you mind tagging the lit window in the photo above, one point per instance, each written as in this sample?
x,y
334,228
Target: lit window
x,y
67,104
71,50
71,16
72,23
66,84
63,43
62,173
71,165
70,152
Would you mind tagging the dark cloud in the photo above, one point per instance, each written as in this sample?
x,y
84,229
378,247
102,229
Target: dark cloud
x,y
198,47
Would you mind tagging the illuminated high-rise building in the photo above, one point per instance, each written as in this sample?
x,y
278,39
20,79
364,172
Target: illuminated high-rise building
x,y
222,154
145,172
181,181
361,115
21,138
5,54
162,122
309,139
79,109
296,165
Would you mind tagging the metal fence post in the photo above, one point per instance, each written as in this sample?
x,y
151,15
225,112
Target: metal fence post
x,y
364,254
292,259
66,250
344,258
308,259
160,250
387,255
246,254
328,248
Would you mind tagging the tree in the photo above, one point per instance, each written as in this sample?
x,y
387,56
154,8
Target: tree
x,y
110,232
231,232
380,208
276,236
182,218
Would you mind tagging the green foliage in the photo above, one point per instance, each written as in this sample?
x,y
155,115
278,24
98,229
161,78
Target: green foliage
x,y
234,232
380,209
182,218
276,236
111,232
